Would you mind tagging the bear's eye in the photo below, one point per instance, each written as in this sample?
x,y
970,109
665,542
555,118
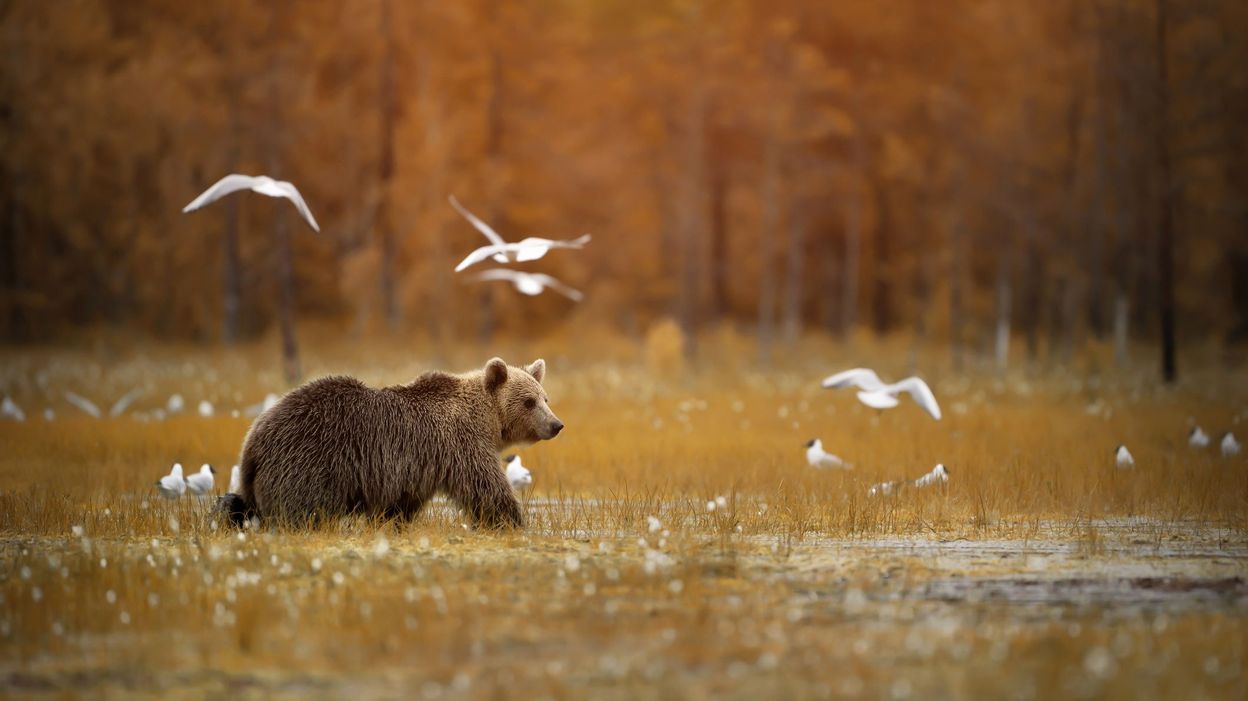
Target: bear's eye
x,y
530,403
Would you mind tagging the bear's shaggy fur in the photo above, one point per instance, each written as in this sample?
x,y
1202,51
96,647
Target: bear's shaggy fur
x,y
334,447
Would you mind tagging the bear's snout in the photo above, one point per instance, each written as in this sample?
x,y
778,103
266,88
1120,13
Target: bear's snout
x,y
555,428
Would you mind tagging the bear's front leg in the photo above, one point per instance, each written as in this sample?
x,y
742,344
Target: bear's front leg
x,y
487,497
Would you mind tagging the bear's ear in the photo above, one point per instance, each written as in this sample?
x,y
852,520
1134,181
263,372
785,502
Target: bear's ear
x,y
495,374
537,369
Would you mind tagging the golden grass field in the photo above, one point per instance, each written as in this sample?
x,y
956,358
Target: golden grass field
x,y
1038,571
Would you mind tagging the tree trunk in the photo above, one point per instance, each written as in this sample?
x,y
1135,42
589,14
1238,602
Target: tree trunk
x,y
1169,364
853,255
385,174
1122,319
771,215
955,295
883,303
718,180
281,230
1003,313
494,162
1034,289
792,317
232,266
691,224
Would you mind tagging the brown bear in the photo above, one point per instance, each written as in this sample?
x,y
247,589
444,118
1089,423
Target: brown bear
x,y
335,446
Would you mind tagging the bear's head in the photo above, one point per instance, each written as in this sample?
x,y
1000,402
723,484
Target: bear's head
x,y
523,409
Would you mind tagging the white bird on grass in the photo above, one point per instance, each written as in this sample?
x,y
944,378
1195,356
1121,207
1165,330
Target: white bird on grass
x,y
270,400
201,482
530,283
10,410
938,475
175,404
518,475
1230,446
816,456
205,408
876,394
1197,438
172,486
87,406
236,480
262,184
119,407
502,252
1122,458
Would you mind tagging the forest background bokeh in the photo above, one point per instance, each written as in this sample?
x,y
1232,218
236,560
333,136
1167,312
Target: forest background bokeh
x,y
964,172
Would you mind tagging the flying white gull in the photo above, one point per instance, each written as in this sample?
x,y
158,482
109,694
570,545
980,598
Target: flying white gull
x,y
236,481
502,252
10,410
1230,446
119,407
1122,457
939,474
262,184
530,283
878,395
1197,438
816,456
201,482
88,407
518,475
172,486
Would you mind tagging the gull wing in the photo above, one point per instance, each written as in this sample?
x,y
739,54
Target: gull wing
x,y
572,294
230,183
921,393
862,378
481,226
533,248
88,407
878,400
291,193
496,274
482,253
120,406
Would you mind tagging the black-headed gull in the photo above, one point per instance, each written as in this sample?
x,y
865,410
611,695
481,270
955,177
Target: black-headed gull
x,y
236,480
1197,438
261,184
816,456
938,475
876,394
201,482
1230,446
1122,457
521,252
172,485
530,283
87,406
517,474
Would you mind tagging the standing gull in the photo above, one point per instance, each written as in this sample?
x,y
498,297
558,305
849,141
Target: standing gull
x,y
525,250
1197,438
517,474
530,283
876,394
262,184
816,456
1230,446
172,486
201,482
1122,458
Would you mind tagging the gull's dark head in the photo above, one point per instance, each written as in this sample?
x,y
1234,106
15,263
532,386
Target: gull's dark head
x,y
811,443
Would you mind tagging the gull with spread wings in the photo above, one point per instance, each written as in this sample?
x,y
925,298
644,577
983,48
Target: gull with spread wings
x,y
262,184
502,252
876,394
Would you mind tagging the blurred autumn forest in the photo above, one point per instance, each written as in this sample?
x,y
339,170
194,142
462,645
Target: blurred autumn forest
x,y
967,171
